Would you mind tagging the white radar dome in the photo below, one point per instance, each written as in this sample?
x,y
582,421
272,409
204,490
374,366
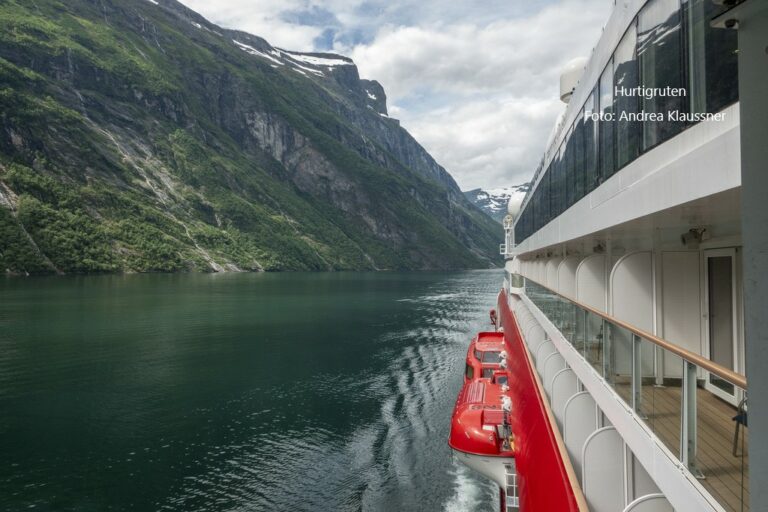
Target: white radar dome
x,y
514,204
570,77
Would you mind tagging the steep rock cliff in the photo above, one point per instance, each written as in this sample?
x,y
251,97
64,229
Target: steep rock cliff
x,y
137,136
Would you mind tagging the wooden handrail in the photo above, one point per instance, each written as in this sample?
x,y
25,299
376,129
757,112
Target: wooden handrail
x,y
724,373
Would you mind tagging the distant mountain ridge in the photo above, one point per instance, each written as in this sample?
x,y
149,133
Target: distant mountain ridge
x,y
494,201
136,136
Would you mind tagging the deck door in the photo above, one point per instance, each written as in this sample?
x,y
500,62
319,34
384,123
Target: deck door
x,y
721,318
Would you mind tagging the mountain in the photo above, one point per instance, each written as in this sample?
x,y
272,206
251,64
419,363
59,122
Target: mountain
x,y
494,201
136,136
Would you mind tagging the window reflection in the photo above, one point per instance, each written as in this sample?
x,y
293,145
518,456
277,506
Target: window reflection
x,y
558,176
713,71
660,58
577,139
607,160
590,144
651,54
570,174
626,78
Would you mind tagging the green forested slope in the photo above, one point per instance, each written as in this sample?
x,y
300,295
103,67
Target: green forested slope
x,y
140,137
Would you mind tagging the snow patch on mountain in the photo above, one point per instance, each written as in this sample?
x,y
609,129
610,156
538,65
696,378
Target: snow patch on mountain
x,y
317,60
253,51
494,201
299,62
313,71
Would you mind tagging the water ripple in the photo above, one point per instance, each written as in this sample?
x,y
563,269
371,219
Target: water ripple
x,y
332,395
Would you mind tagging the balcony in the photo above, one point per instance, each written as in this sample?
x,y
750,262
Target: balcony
x,y
705,435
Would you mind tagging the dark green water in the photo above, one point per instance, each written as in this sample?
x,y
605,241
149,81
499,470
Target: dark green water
x,y
277,392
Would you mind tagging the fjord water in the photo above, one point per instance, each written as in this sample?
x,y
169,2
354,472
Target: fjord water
x,y
274,392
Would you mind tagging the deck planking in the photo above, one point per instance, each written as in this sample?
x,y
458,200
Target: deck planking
x,y
726,477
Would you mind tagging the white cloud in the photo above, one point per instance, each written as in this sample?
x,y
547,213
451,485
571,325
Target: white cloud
x,y
483,99
260,18
516,55
487,142
475,82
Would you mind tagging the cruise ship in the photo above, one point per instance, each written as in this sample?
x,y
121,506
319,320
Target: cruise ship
x,y
628,374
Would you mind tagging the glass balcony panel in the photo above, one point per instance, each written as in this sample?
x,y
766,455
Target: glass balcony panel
x,y
593,348
620,363
662,403
579,341
578,320
569,321
559,305
552,304
721,454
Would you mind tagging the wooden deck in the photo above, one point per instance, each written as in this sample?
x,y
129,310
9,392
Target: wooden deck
x,y
726,476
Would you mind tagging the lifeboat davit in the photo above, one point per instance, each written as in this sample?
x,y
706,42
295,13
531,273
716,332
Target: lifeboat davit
x,y
481,433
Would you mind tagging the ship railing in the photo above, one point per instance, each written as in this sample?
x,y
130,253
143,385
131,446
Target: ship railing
x,y
696,407
506,249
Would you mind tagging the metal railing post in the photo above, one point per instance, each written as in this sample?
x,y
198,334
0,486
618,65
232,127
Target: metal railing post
x,y
606,348
637,373
573,313
586,334
658,364
688,437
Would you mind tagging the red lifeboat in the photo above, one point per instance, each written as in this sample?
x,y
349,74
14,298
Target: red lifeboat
x,y
502,395
481,433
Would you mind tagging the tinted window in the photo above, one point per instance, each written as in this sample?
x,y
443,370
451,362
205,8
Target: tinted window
x,y
545,199
590,144
607,161
578,156
491,357
650,54
660,57
488,373
570,175
625,79
470,372
713,59
521,231
558,174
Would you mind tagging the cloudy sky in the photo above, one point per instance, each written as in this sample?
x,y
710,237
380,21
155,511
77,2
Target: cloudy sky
x,y
475,81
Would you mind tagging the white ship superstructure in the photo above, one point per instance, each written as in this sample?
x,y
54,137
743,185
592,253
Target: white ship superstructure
x,y
634,265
